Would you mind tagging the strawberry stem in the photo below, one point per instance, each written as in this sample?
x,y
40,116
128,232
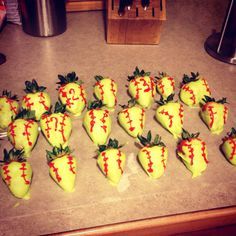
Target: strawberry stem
x,y
186,135
13,155
147,141
33,87
187,79
137,73
57,152
112,144
8,94
69,78
26,114
162,101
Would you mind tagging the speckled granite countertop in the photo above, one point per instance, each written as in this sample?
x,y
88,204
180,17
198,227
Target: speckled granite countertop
x,y
82,48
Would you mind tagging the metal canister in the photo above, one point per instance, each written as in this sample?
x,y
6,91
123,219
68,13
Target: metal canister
x,y
43,17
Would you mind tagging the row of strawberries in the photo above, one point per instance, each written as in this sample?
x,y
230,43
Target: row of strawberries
x,y
57,126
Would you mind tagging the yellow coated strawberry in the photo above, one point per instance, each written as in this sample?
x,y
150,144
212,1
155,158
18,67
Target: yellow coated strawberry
x,y
23,132
97,123
194,89
228,146
16,173
132,119
62,168
9,108
142,88
72,93
36,99
214,114
105,89
153,156
165,85
193,152
111,161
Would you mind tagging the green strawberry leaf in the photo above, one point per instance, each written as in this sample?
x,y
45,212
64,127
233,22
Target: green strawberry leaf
x,y
222,101
147,141
57,152
59,107
186,135
95,104
187,79
69,78
131,103
112,144
207,99
25,114
137,73
162,101
98,78
232,133
33,87
13,155
8,94
161,75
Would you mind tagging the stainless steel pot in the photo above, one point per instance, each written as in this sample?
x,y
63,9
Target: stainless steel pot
x,y
43,17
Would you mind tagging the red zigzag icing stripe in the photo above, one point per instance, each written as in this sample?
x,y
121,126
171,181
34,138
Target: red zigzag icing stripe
x,y
42,101
92,117
55,170
6,172
126,112
172,82
26,132
161,86
70,163
62,123
162,155
233,145
113,90
225,114
187,89
119,161
141,119
181,113
103,120
206,85
12,108
150,170
12,127
27,102
166,113
23,168
105,159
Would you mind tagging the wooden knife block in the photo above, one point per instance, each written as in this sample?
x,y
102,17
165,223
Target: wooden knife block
x,y
136,26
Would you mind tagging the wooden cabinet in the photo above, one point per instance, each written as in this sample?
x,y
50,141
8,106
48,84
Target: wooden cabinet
x,y
84,5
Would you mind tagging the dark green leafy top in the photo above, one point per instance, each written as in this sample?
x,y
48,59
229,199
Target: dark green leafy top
x,y
232,133
161,75
137,73
95,104
162,102
188,79
147,141
98,78
210,99
13,155
25,114
186,135
8,94
69,78
112,144
59,107
33,87
57,152
132,102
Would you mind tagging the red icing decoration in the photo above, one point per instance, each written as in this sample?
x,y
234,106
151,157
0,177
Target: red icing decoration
x,y
225,114
26,132
6,172
82,94
27,99
42,100
211,113
141,119
119,161
187,89
63,116
64,95
103,120
47,124
232,142
55,170
105,163
126,111
92,122
172,82
162,155
23,173
113,90
161,86
166,113
70,163
100,86
56,122
181,113
206,85
150,170
12,127
12,108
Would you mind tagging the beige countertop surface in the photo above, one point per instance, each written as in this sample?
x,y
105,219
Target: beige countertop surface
x,y
82,48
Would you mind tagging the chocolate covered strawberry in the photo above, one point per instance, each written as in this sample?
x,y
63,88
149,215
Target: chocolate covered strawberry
x,y
132,119
97,122
72,93
57,126
193,152
9,108
153,156
105,89
228,146
193,89
214,114
111,161
37,99
16,172
165,85
170,115
142,88
62,167
23,131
